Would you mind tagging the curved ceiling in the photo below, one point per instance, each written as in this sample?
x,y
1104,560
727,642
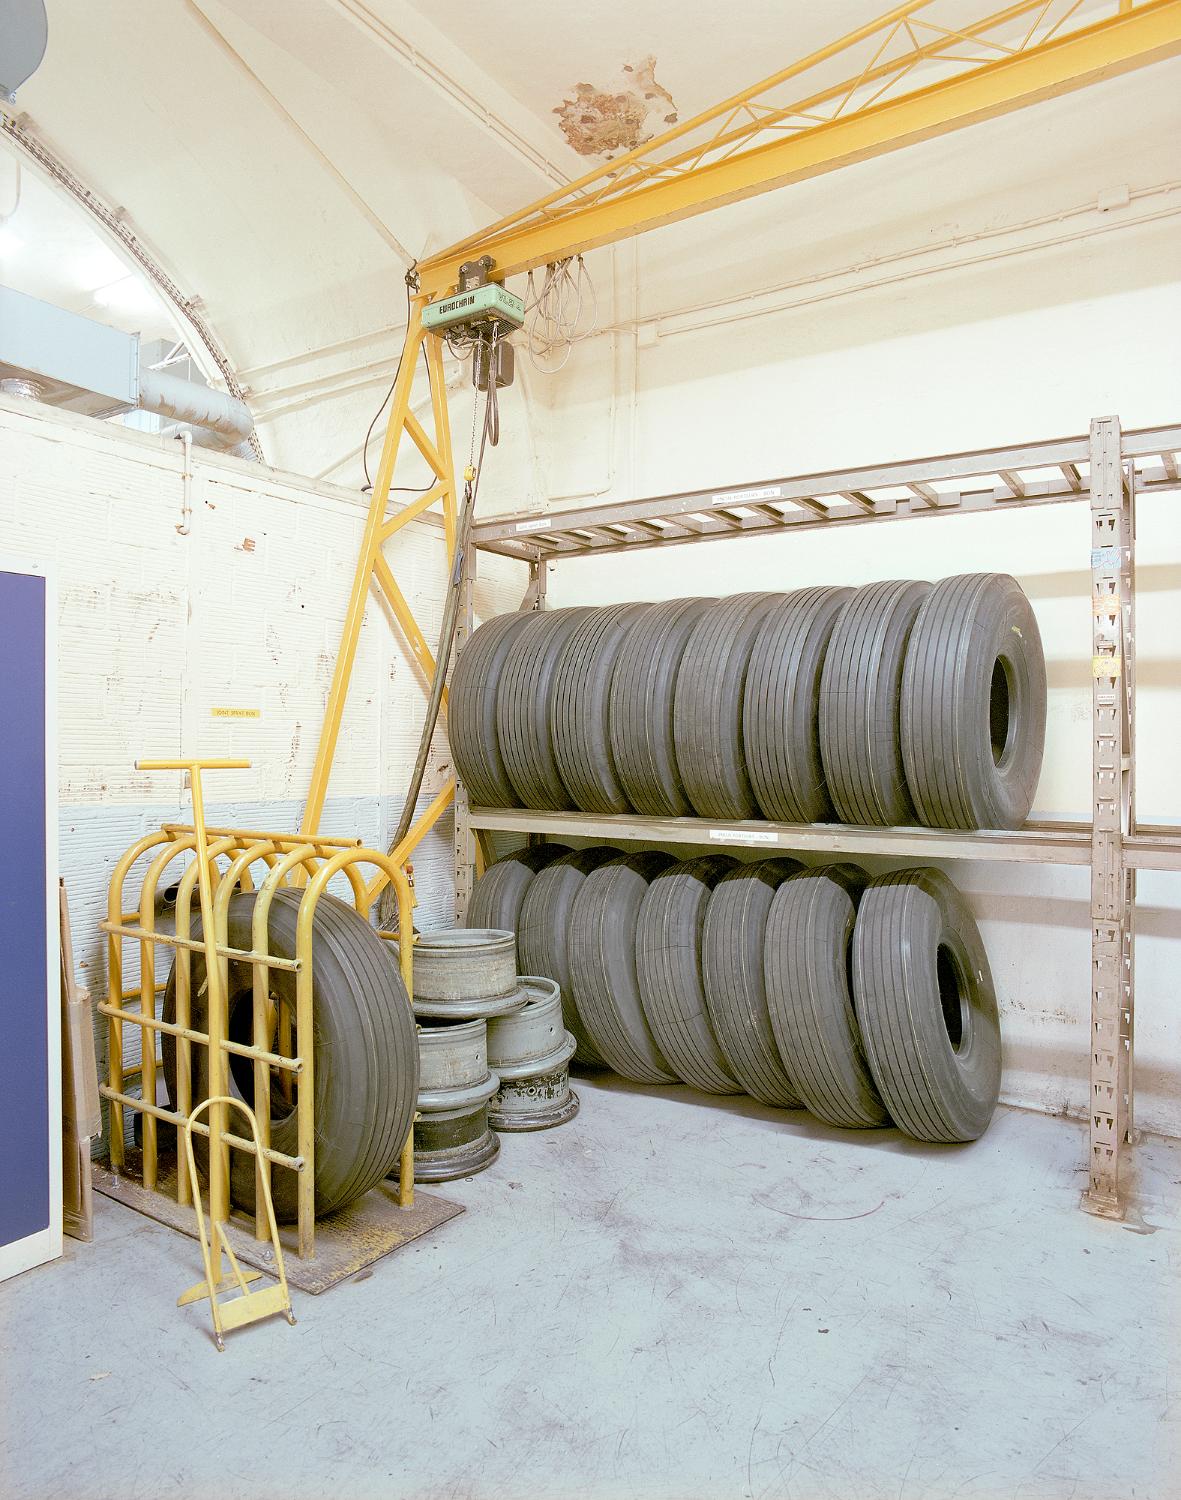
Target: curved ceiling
x,y
285,162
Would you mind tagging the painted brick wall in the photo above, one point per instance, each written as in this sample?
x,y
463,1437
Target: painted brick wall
x,y
160,628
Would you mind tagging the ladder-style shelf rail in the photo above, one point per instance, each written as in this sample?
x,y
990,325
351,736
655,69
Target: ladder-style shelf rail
x,y
1013,478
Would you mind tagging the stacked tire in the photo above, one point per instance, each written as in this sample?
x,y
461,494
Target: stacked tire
x,y
895,703
865,1001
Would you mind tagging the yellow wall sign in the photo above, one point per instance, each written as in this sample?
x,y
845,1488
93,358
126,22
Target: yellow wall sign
x,y
235,713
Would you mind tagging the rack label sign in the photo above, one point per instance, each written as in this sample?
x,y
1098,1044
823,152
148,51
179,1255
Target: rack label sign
x,y
235,713
741,497
538,525
744,836
1105,557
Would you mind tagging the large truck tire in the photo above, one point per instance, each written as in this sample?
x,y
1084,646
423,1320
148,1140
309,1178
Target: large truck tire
x,y
605,988
707,710
643,691
543,938
860,732
926,1006
579,709
668,967
364,1052
973,704
498,894
782,703
471,711
732,944
523,724
810,998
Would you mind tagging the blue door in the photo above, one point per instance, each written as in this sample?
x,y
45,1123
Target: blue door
x,y
30,1136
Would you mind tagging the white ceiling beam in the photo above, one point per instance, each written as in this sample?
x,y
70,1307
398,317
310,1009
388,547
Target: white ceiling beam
x,y
227,48
405,34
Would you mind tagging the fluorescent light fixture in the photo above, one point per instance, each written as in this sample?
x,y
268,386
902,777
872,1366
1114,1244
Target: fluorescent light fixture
x,y
94,266
10,241
106,296
130,294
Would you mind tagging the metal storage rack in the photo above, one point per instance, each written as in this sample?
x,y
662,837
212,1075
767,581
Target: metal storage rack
x,y
1107,470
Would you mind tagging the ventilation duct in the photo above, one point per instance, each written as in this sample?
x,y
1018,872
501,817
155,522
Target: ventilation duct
x,y
75,363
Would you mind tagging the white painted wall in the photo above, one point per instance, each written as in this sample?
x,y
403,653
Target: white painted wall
x,y
966,292
1025,346
158,629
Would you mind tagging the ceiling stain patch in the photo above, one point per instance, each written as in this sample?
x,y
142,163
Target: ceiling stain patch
x,y
600,122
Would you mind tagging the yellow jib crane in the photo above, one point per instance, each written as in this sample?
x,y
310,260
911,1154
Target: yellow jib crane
x,y
905,77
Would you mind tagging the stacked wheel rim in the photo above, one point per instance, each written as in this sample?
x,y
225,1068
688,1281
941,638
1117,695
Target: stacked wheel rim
x,y
530,1053
466,973
452,1137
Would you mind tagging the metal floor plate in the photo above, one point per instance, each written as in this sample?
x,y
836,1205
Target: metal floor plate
x,y
346,1242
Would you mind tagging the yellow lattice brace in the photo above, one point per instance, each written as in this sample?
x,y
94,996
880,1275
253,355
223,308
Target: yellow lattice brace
x,y
405,618
645,189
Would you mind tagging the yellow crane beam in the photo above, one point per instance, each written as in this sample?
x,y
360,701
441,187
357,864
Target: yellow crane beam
x,y
757,140
756,146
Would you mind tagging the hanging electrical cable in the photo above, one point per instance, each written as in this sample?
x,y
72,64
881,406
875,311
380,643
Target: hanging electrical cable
x,y
395,489
490,433
554,314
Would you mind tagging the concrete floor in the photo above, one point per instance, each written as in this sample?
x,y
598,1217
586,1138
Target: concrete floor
x,y
667,1298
